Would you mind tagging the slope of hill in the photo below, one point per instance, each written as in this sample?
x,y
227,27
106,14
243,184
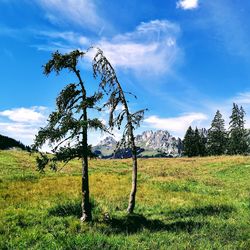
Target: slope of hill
x,y
182,203
150,144
8,143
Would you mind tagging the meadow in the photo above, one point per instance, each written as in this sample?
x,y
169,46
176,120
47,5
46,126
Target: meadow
x,y
182,203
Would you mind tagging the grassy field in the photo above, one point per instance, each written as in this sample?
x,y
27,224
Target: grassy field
x,y
196,203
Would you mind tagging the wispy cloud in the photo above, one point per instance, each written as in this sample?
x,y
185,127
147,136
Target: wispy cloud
x,y
66,41
187,4
243,98
79,12
70,36
152,47
11,32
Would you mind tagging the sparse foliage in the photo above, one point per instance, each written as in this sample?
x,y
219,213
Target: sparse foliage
x,y
110,83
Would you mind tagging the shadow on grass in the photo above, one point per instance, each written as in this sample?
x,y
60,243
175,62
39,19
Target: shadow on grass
x,y
71,208
128,224
210,210
134,223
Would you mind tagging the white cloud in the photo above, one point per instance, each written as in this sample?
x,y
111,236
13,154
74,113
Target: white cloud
x,y
32,114
18,130
187,4
176,125
23,123
80,12
151,48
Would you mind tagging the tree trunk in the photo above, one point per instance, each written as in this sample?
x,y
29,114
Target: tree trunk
x,y
86,206
131,204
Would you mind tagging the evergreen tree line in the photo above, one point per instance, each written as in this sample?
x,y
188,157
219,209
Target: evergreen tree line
x,y
217,140
7,143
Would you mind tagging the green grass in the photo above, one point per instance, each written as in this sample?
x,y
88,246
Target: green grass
x,y
197,203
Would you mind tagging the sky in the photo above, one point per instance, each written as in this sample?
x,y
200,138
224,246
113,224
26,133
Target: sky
x,y
183,59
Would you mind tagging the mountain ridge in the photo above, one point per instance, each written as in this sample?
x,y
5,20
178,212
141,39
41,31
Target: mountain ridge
x,y
149,143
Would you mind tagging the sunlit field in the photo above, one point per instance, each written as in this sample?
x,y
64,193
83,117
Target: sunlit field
x,y
185,203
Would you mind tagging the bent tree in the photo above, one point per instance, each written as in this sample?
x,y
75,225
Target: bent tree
x,y
67,128
102,68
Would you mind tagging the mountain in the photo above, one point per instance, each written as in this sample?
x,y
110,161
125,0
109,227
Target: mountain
x,y
105,148
160,141
8,143
149,144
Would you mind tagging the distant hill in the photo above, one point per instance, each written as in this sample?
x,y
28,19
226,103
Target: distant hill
x,y
149,144
8,143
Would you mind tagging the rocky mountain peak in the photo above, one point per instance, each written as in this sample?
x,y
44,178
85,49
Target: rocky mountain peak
x,y
108,142
151,143
160,140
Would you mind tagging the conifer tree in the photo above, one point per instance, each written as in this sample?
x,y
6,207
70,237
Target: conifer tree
x,y
217,136
188,143
194,143
237,132
203,142
67,128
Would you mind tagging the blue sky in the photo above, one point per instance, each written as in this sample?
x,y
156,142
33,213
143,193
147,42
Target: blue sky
x,y
184,59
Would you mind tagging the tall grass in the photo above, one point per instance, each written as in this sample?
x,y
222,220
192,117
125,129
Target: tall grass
x,y
197,203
